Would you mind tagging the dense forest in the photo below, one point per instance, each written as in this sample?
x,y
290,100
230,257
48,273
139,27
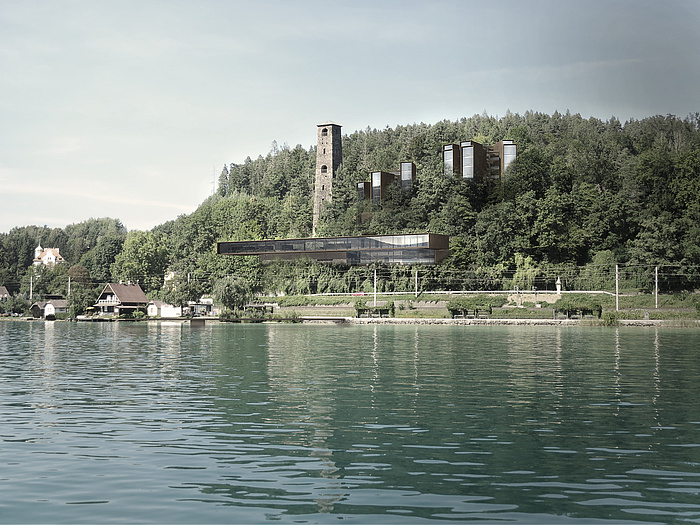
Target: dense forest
x,y
582,196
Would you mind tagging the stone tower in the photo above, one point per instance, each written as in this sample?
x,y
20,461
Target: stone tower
x,y
329,155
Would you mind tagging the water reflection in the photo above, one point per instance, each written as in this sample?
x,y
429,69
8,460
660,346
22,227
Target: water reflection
x,y
657,375
379,423
300,385
166,340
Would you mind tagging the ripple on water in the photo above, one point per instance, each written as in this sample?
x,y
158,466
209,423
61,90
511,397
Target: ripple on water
x,y
256,423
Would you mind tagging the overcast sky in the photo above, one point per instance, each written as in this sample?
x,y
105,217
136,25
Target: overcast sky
x,y
129,109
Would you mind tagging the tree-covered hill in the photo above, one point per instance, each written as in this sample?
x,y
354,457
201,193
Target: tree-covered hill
x,y
579,187
582,192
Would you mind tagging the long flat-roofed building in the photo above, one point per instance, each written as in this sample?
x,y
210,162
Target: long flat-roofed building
x,y
422,248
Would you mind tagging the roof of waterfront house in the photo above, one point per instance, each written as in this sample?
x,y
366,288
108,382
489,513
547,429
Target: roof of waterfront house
x,y
158,303
57,303
126,293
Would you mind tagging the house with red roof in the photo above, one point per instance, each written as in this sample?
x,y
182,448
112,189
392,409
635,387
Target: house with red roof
x,y
47,256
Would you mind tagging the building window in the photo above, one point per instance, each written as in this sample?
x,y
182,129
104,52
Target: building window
x,y
406,175
376,187
361,190
448,156
324,132
324,169
508,155
468,162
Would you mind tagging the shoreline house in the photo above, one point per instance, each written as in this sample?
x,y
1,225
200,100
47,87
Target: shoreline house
x,y
4,294
163,309
203,307
48,308
121,299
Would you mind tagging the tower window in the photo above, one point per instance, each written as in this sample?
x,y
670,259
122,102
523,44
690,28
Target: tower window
x,y
324,169
324,132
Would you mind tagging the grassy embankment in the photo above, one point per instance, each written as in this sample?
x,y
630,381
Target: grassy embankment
x,y
681,306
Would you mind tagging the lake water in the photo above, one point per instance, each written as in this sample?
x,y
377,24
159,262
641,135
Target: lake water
x,y
147,422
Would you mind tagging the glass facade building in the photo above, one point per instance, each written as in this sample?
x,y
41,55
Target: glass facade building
x,y
474,163
380,181
424,248
509,154
450,159
503,153
376,180
471,160
364,190
408,175
467,160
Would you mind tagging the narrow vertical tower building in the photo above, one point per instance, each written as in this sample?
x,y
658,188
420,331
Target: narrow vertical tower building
x,y
329,155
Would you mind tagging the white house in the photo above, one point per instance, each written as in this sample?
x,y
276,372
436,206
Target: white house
x,y
49,308
161,309
47,256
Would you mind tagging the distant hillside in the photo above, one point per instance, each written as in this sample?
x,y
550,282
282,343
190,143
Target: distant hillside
x,y
579,187
582,192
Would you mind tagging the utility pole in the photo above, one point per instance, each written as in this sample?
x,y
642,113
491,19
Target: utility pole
x,y
69,286
375,287
416,283
617,288
656,287
31,286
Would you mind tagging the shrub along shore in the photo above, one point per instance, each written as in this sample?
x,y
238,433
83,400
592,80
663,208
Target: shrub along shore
x,y
593,309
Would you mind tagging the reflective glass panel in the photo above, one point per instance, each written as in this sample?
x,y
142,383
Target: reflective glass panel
x,y
509,154
468,162
449,163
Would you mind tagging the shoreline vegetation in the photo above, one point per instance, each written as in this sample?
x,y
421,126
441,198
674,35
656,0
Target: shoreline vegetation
x,y
461,309
667,323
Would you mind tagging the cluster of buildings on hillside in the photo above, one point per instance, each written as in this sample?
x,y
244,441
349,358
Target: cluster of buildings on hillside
x,y
471,160
380,181
468,160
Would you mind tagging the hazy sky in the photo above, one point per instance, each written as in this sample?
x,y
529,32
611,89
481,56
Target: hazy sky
x,y
129,109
